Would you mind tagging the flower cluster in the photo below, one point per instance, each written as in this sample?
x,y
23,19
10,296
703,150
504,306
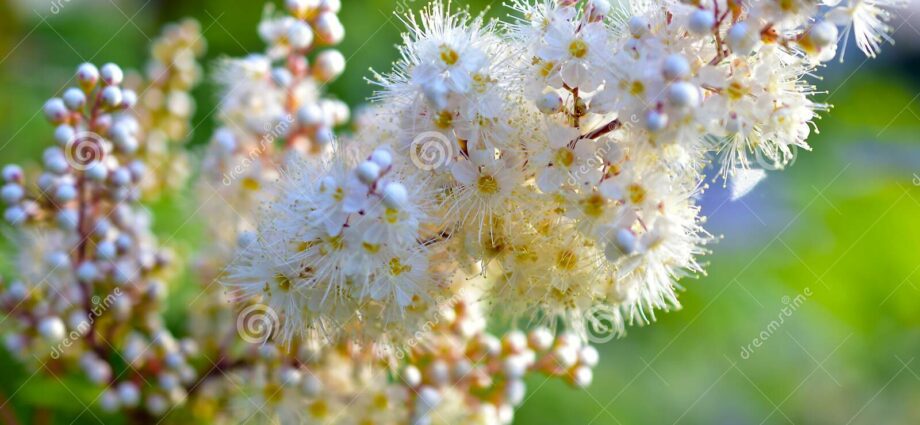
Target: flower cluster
x,y
560,155
538,169
92,275
167,105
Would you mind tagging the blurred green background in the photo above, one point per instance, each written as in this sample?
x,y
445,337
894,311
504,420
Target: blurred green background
x,y
843,224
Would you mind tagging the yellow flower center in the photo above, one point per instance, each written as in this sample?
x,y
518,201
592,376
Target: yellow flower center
x,y
565,157
448,55
487,185
578,48
397,267
444,119
594,205
636,193
566,260
735,90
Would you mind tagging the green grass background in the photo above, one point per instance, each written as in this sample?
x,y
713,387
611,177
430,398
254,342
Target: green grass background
x,y
843,223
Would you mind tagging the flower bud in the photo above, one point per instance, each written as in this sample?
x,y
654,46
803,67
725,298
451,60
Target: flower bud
x,y
112,96
395,196
51,329
329,65
675,67
55,110
701,22
87,75
683,95
329,28
367,172
656,121
549,102
382,158
74,98
300,36
111,74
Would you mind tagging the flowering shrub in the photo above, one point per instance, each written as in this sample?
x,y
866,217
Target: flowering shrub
x,y
544,169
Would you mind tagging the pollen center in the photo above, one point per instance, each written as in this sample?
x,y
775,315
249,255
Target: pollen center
x,y
487,184
565,157
578,48
448,55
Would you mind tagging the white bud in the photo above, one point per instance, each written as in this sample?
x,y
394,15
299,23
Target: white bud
x,y
329,65
428,399
87,74
701,22
582,377
324,136
597,9
411,376
395,196
67,219
112,96
382,158
300,36
549,102
156,404
12,193
623,243
109,402
106,250
63,134
225,140
515,390
129,98
540,339
565,355
121,176
51,329
74,98
55,110
638,26
684,95
65,193
329,28
822,34
367,172
310,115
282,77
87,272
111,74
290,377
514,367
675,67
96,171
311,385
12,173
741,39
333,6
656,121
588,356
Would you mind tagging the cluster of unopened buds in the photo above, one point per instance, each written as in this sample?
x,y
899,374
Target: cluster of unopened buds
x,y
544,169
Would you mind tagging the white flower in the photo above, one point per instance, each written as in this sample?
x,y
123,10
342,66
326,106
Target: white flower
x,y
578,48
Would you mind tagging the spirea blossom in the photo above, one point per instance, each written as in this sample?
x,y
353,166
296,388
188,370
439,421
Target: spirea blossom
x,y
539,169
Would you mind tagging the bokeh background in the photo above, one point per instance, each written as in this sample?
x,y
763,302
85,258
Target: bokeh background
x,y
840,230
